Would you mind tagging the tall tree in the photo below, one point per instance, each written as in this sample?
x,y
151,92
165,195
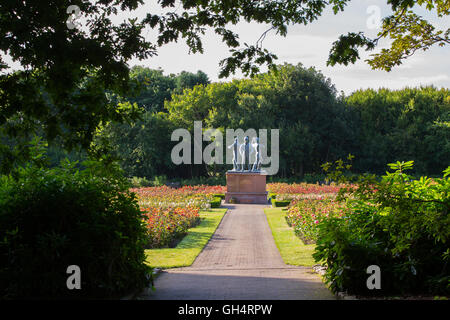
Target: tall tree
x,y
69,67
399,125
408,31
301,102
188,80
153,88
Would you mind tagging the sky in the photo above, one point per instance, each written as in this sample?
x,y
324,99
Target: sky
x,y
310,45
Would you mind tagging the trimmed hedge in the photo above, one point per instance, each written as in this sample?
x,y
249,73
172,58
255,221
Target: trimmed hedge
x,y
219,195
216,202
280,203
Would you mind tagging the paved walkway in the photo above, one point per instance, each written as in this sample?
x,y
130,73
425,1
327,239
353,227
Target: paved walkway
x,y
241,261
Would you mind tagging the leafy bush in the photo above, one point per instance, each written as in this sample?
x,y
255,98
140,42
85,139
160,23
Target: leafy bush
x,y
53,218
166,225
219,195
137,182
400,224
159,181
216,202
280,203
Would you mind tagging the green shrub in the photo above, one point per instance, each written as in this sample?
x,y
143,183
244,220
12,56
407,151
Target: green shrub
x,y
400,224
271,195
347,248
216,202
209,181
280,203
159,181
219,195
53,218
137,182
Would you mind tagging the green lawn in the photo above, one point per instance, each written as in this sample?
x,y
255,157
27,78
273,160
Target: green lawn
x,y
291,248
187,250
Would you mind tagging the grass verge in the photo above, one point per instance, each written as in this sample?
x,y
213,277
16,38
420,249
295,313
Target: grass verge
x,y
184,254
292,249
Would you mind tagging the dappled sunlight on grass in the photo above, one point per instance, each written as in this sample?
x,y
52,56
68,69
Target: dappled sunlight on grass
x,y
292,249
187,250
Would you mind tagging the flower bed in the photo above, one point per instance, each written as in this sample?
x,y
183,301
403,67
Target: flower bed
x,y
170,212
165,225
187,196
297,191
304,215
302,188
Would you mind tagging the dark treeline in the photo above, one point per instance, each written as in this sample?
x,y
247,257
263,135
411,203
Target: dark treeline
x,y
316,123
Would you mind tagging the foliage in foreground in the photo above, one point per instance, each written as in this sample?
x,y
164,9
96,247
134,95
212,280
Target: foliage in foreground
x,y
400,224
53,218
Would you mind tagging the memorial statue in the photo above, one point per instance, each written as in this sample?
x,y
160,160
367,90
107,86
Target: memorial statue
x,y
235,146
257,164
244,150
246,183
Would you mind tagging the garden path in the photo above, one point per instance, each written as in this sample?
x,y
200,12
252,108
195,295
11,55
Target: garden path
x,y
240,262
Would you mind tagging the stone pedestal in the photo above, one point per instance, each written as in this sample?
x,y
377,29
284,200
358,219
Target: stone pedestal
x,y
246,187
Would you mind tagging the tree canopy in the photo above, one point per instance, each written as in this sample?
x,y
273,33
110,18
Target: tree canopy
x,y
316,124
74,79
408,31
